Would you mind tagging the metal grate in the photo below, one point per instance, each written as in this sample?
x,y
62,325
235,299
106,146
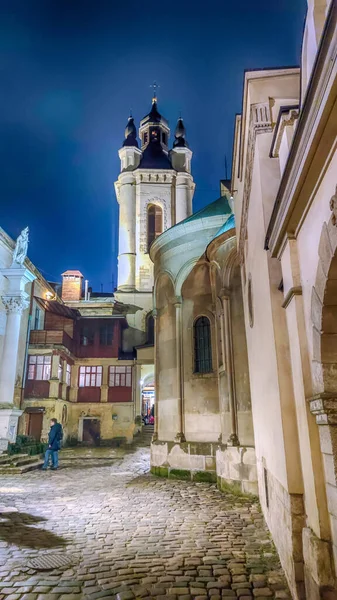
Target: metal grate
x,y
49,562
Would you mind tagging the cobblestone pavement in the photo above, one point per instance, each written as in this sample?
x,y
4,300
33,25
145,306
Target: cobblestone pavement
x,y
130,535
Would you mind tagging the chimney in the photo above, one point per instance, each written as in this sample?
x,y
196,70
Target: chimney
x,y
72,286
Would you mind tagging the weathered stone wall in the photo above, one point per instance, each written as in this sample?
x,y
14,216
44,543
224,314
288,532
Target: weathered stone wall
x,y
201,395
236,466
123,426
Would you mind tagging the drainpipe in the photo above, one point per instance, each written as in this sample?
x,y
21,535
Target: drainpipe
x,y
25,363
233,438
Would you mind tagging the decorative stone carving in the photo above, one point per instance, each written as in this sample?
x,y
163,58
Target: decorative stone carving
x,y
15,304
324,407
287,120
333,207
21,247
161,202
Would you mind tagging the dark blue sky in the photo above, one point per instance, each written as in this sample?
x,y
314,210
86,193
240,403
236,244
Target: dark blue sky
x,y
71,70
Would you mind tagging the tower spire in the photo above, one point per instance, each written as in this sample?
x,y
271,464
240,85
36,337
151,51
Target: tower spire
x,y
155,86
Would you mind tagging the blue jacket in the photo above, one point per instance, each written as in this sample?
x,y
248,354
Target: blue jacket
x,y
55,436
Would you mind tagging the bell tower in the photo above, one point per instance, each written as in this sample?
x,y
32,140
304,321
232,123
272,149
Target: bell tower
x,y
154,191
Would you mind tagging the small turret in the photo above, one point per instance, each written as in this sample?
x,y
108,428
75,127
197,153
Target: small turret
x,y
130,134
181,154
180,135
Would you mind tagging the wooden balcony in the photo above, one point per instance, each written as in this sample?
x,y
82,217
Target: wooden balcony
x,y
45,337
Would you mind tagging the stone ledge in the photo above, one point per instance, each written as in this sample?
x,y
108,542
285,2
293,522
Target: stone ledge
x,y
185,474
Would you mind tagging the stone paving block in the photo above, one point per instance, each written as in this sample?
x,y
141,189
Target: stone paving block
x,y
127,530
125,596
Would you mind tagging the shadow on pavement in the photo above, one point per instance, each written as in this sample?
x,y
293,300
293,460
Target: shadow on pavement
x,y
18,528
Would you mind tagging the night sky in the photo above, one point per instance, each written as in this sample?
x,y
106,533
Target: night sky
x,y
70,72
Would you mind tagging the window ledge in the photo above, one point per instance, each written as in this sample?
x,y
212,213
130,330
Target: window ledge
x,y
203,375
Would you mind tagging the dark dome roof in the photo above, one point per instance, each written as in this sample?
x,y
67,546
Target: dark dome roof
x,y
154,116
130,134
180,135
154,157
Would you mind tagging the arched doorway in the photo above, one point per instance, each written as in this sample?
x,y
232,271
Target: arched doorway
x,y
148,399
324,368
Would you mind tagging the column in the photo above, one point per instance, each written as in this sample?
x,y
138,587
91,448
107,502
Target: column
x,y
64,380
180,437
74,383
127,233
54,376
156,377
182,194
136,378
104,386
233,439
9,415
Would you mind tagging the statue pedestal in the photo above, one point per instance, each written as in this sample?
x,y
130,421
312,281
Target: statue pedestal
x,y
8,426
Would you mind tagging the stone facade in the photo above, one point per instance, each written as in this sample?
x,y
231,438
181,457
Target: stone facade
x,y
284,189
204,422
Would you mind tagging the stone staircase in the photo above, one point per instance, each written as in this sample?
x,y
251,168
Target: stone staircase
x,y
19,463
145,437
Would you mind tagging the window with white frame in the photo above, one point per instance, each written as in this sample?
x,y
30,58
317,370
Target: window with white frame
x,y
120,376
39,367
90,376
68,374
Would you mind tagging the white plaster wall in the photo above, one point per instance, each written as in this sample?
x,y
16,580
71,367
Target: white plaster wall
x,y
263,368
308,239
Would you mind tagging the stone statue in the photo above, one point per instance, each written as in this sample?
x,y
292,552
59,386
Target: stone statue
x,y
21,246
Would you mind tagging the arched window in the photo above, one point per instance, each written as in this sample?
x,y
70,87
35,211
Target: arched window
x,y
154,223
202,346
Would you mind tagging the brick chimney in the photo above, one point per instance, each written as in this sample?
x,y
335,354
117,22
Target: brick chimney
x,y
72,286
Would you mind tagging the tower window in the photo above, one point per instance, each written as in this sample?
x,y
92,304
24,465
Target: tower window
x,y
154,135
145,138
154,223
163,137
202,346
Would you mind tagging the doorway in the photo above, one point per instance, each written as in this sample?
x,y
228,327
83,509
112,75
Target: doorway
x,y
148,401
91,432
35,425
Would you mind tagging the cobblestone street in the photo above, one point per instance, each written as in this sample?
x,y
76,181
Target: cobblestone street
x,y
130,535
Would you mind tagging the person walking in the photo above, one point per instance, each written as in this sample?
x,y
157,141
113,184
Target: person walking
x,y
54,444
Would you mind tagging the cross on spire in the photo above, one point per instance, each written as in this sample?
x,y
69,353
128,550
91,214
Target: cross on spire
x,y
155,86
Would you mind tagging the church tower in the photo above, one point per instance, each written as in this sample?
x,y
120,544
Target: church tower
x,y
154,190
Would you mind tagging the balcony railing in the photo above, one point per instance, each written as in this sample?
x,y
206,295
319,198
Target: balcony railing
x,y
45,337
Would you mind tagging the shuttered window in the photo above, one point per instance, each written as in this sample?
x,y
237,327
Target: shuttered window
x,y
202,346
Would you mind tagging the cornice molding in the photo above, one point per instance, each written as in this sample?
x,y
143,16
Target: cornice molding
x,y
287,118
